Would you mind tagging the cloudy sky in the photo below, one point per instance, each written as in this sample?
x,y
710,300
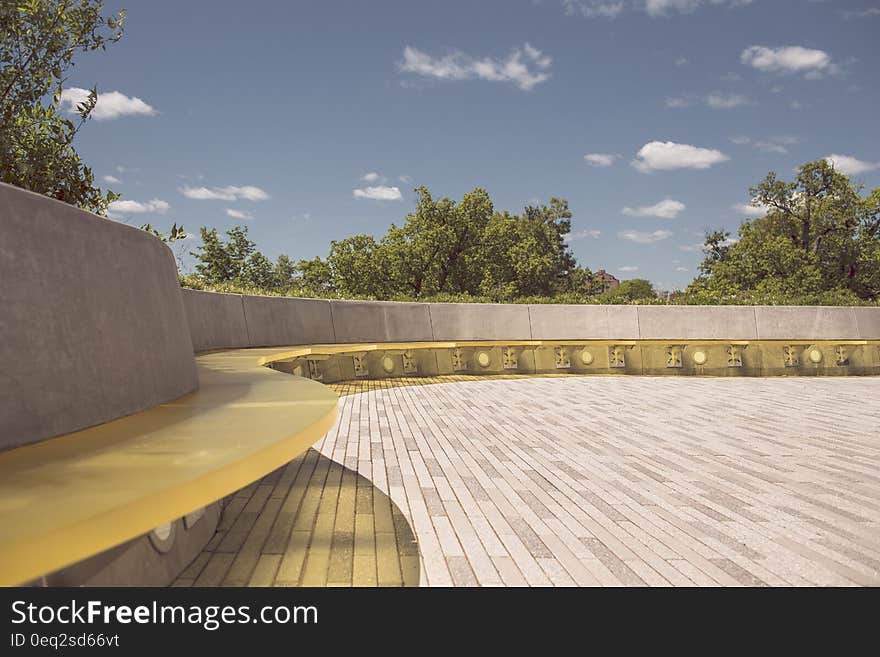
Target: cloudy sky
x,y
312,121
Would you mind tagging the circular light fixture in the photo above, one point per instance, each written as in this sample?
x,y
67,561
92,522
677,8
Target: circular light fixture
x,y
483,359
815,356
586,357
700,357
162,537
388,364
162,532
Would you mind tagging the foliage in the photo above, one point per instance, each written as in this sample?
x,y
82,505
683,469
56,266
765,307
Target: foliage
x,y
634,290
443,248
38,40
818,245
819,241
176,233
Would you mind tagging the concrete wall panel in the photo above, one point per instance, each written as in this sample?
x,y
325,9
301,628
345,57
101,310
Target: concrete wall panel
x,y
480,321
868,322
92,325
279,321
585,322
806,323
697,323
381,321
216,321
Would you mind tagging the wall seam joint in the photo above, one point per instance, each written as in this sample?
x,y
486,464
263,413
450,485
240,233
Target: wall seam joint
x,y
247,330
332,321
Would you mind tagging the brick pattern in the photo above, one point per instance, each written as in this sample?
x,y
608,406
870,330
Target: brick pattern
x,y
310,523
574,481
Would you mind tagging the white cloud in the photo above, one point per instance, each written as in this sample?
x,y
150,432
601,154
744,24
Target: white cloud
x,y
682,61
681,269
304,216
749,210
718,100
665,209
627,268
661,7
641,237
228,193
870,12
691,248
600,159
789,60
594,8
154,206
238,214
678,102
379,193
849,165
714,100
654,8
405,179
113,180
668,155
769,145
526,67
583,234
371,177
110,105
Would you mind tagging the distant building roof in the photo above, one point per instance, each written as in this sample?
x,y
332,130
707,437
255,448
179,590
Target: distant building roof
x,y
609,281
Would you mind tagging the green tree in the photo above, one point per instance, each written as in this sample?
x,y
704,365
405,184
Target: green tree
x,y
356,267
635,289
285,272
38,41
437,248
234,260
820,237
315,277
527,255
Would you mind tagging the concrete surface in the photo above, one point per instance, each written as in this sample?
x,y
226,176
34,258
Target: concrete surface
x,y
216,321
586,322
480,321
868,322
381,321
805,323
92,322
277,321
697,323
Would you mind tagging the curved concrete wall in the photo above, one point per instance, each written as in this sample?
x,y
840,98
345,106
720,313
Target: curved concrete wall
x,y
92,325
229,320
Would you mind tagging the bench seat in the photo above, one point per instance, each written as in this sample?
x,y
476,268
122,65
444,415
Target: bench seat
x,y
71,497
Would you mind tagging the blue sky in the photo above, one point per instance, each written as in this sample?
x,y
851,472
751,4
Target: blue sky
x,y
652,117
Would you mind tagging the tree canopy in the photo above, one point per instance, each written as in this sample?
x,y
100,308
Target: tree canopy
x,y
444,247
38,41
818,242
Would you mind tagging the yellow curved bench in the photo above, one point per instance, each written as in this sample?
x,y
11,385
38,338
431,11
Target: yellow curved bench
x,y
68,498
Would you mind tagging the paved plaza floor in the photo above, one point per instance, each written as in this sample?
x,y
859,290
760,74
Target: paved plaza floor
x,y
572,481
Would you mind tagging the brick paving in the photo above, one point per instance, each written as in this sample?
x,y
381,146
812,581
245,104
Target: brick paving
x,y
571,481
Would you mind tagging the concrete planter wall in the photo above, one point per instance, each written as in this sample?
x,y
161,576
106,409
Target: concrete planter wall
x,y
228,320
92,324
